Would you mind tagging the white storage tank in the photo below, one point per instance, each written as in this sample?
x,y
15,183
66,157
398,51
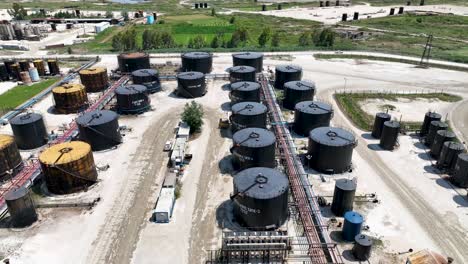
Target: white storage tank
x,y
164,206
101,27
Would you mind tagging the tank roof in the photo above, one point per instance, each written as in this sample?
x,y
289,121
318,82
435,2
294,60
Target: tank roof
x,y
145,72
38,61
65,152
433,115
363,240
98,117
92,71
288,68
131,89
248,55
332,136
454,145
245,86
190,75
242,69
196,55
439,123
254,137
392,124
16,194
446,133
463,156
300,85
313,107
249,108
6,140
345,184
383,115
133,55
68,88
26,118
353,217
261,182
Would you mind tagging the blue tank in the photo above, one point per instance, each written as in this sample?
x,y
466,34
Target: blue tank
x,y
150,20
352,225
34,74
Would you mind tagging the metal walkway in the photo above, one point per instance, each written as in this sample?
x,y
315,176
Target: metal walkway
x,y
320,248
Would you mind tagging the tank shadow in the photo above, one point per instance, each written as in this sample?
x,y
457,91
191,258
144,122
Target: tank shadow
x,y
225,217
425,156
225,133
461,200
368,136
445,183
326,211
226,106
420,145
348,255
226,87
225,165
336,236
375,147
5,222
431,169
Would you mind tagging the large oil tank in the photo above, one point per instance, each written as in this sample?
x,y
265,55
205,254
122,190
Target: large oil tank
x,y
197,62
21,207
254,59
34,74
260,198
253,147
352,225
39,64
389,138
69,98
15,68
242,73
132,99
100,129
428,118
441,137
24,65
298,91
331,149
380,119
309,115
343,196
130,62
449,154
287,73
4,76
29,130
25,78
68,167
248,114
10,158
53,67
362,247
460,175
148,78
191,84
434,126
10,71
244,92
94,79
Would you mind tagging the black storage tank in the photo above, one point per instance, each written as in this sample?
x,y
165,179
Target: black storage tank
x,y
449,154
244,92
380,119
242,73
428,118
343,196
260,198
389,138
191,84
148,78
9,69
100,129
253,147
29,130
362,247
441,137
10,157
130,62
4,76
197,62
460,176
254,59
287,73
132,99
434,126
311,114
298,91
248,114
21,207
331,149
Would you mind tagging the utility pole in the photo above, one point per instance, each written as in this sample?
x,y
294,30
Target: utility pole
x,y
427,53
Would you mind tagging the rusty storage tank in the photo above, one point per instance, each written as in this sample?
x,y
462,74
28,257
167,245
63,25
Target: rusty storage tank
x,y
309,115
191,84
21,207
8,66
24,65
298,91
352,225
130,62
197,62
460,175
10,158
68,167
428,118
69,98
389,138
441,137
287,73
148,78
248,114
449,154
242,73
434,126
100,129
4,76
39,64
253,59
16,71
253,147
260,198
362,247
380,119
244,92
94,79
29,130
24,76
53,67
343,196
132,99
331,149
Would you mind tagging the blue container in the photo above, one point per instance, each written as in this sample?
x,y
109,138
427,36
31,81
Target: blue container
x,y
352,225
34,74
150,20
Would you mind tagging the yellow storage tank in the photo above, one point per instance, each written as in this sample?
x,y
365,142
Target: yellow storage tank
x,y
68,167
10,158
69,98
39,64
94,79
